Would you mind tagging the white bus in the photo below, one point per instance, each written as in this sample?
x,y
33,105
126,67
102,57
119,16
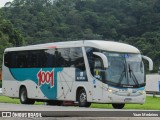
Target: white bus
x,y
88,71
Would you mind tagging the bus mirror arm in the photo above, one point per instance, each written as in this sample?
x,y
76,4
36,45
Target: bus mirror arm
x,y
103,57
150,62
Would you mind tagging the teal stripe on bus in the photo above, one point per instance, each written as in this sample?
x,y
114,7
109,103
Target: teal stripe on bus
x,y
22,74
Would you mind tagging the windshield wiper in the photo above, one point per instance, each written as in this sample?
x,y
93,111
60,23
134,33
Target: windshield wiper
x,y
122,74
131,74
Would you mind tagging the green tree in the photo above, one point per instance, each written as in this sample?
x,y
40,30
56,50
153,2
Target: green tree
x,y
136,22
8,37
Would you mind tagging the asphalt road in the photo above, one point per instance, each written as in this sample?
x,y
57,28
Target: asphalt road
x,y
19,111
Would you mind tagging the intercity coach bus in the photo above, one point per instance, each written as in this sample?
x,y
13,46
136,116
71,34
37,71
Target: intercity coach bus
x,y
87,71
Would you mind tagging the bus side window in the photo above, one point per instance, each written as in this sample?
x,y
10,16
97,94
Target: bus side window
x,y
7,59
21,60
99,72
77,59
98,68
10,59
58,58
98,63
79,63
91,58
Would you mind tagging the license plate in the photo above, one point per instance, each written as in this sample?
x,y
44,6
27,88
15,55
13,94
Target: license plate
x,y
128,99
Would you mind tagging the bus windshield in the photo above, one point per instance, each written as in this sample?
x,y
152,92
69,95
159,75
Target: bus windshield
x,y
125,69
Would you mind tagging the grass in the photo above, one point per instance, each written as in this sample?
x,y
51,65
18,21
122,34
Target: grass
x,y
4,99
152,103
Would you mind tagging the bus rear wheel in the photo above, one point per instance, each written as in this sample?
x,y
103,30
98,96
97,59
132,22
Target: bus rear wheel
x,y
24,97
82,99
118,105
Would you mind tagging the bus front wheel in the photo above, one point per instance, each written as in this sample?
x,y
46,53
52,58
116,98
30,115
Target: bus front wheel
x,y
82,99
118,106
24,98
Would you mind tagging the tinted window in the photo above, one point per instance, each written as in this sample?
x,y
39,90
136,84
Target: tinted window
x,y
48,58
59,57
91,58
21,59
62,57
77,59
36,58
7,59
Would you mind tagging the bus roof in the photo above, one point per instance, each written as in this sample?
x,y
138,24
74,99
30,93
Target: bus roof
x,y
100,44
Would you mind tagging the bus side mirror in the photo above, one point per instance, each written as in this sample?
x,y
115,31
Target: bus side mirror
x,y
150,62
103,57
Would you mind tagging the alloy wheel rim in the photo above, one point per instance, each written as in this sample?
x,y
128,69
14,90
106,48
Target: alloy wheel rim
x,y
83,98
23,96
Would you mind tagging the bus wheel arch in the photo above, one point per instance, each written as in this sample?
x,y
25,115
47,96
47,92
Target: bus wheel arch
x,y
81,97
23,96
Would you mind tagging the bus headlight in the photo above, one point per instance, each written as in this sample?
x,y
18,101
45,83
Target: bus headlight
x,y
109,90
143,92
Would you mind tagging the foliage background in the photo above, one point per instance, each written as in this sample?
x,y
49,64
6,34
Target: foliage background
x,y
136,22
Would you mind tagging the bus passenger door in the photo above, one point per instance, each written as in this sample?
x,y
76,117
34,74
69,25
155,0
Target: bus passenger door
x,y
97,72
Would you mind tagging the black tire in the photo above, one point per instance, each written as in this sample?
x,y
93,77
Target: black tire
x,y
24,97
118,106
82,99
